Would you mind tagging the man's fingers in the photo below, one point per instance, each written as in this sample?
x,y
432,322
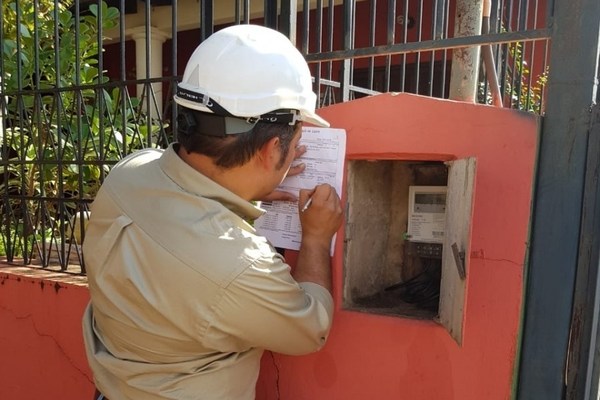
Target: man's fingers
x,y
304,195
300,150
296,169
324,191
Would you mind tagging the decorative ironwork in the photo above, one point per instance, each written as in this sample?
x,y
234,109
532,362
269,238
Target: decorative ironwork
x,y
76,95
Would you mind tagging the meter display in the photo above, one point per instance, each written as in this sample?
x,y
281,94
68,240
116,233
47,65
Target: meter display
x,y
426,214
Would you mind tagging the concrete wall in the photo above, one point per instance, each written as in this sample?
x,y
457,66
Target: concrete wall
x,y
41,346
368,356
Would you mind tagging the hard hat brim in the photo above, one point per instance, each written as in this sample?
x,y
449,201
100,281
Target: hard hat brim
x,y
314,119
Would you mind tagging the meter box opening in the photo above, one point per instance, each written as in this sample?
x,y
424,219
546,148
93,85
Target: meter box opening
x,y
406,235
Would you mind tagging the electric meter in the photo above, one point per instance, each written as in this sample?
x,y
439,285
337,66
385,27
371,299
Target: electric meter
x,y
426,219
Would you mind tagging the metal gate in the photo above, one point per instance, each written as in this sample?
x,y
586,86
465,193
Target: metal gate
x,y
86,82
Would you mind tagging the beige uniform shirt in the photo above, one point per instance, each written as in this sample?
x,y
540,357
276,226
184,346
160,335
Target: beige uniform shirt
x,y
184,295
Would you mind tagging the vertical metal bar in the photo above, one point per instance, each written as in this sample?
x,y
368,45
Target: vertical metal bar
x,y
78,126
445,57
270,17
5,222
503,56
330,16
509,16
237,18
404,40
535,15
529,64
246,11
495,16
346,77
558,273
550,12
288,19
318,49
148,89
517,72
523,15
435,35
532,66
488,58
206,15
519,19
98,94
123,76
465,61
353,31
174,67
372,23
391,38
418,55
37,122
305,26
439,19
512,50
545,69
495,27
20,120
59,145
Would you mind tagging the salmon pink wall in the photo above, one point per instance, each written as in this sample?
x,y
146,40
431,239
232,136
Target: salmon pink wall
x,y
379,357
41,345
367,356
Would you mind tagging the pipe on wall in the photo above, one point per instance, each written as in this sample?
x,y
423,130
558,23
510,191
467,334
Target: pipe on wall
x,y
488,57
465,61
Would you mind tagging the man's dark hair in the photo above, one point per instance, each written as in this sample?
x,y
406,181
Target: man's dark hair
x,y
237,149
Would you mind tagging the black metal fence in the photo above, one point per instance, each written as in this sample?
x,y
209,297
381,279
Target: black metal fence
x,y
84,83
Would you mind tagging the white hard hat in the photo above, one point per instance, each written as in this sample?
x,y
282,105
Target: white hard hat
x,y
252,72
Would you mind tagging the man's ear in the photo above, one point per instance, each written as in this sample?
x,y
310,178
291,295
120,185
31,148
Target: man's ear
x,y
269,153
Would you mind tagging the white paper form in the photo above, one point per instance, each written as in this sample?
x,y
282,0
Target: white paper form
x,y
324,159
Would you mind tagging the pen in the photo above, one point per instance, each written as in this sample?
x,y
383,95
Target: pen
x,y
307,204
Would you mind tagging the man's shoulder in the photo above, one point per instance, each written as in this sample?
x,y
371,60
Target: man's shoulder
x,y
134,169
138,158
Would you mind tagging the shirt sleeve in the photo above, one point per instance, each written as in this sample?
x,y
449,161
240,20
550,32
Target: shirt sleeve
x,y
265,307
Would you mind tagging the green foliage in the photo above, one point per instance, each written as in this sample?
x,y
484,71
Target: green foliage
x,y
47,51
524,92
64,124
521,90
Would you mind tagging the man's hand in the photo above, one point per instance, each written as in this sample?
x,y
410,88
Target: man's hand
x,y
320,221
294,170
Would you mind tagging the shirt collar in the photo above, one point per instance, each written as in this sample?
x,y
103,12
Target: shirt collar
x,y
194,182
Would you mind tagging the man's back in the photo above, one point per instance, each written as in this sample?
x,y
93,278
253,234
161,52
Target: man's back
x,y
185,295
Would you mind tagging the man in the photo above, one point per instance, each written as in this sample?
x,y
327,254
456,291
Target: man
x,y
185,296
